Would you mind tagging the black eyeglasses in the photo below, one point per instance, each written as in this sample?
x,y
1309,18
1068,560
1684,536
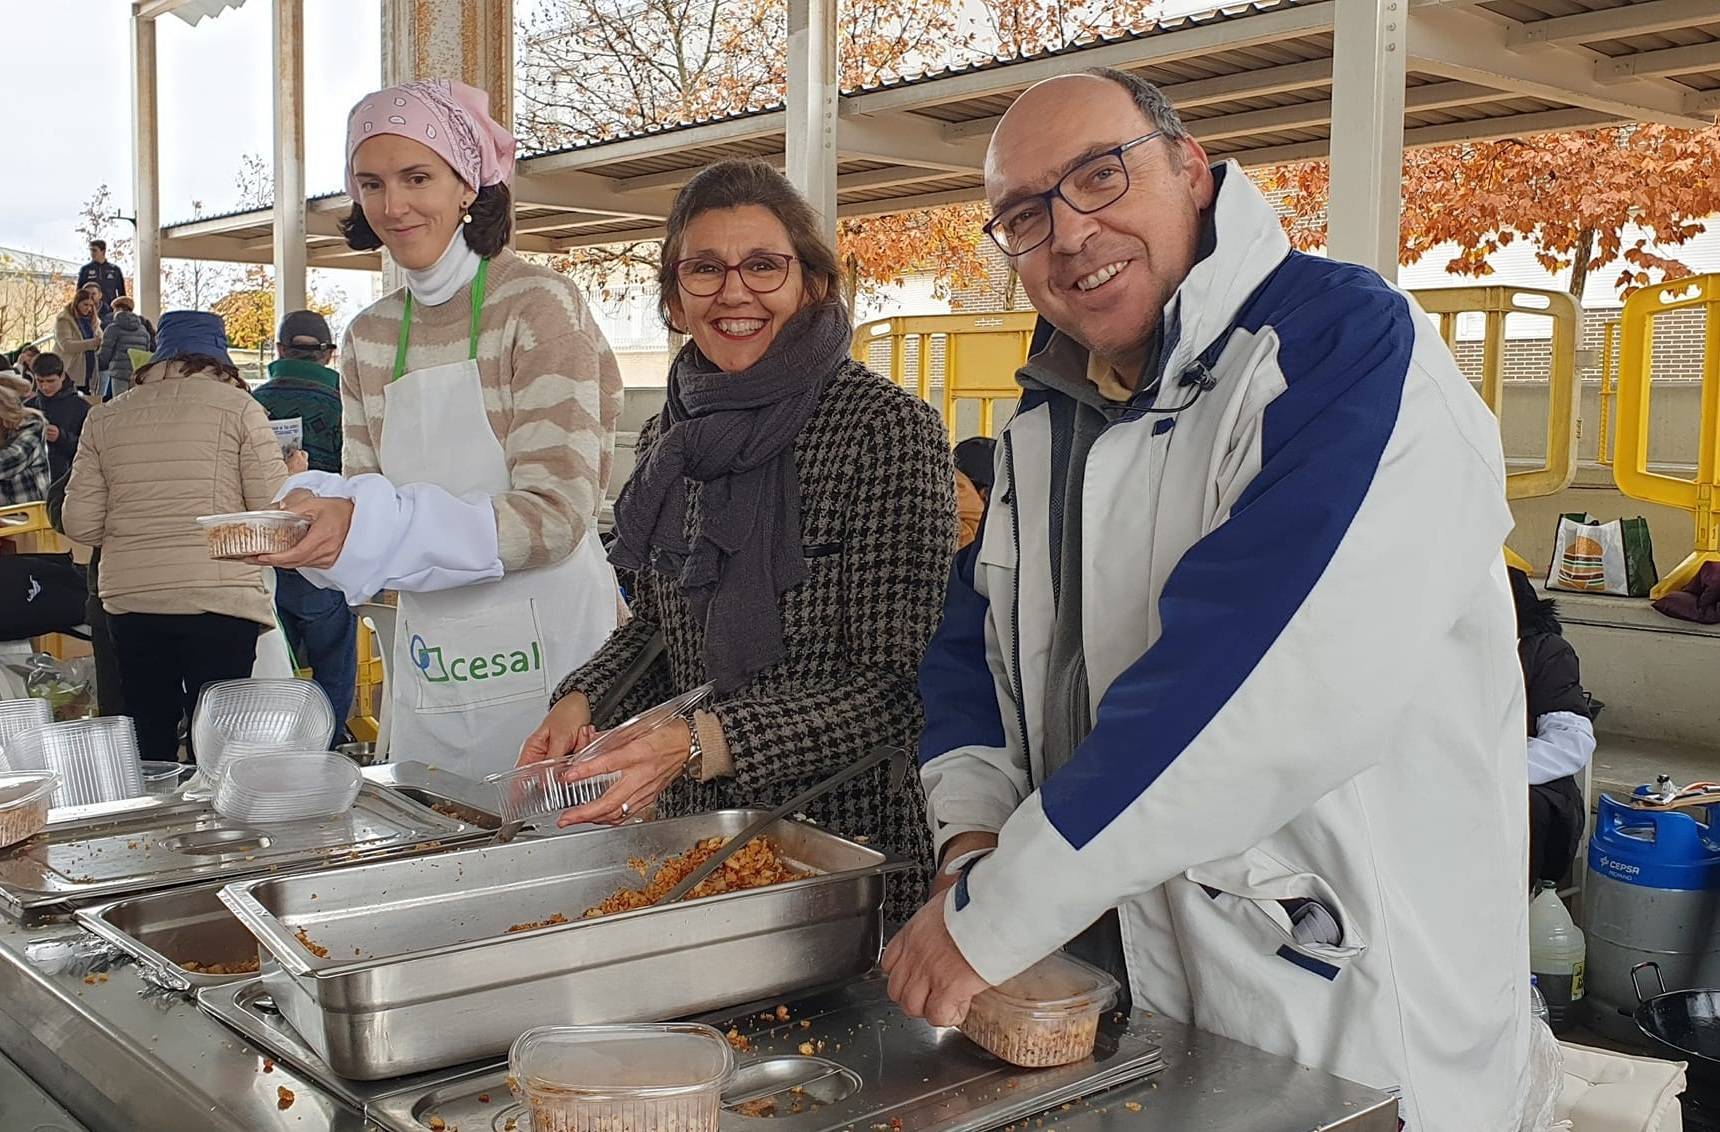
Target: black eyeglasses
x,y
761,273
1096,183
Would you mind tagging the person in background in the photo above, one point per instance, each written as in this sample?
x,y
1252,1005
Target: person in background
x,y
65,411
26,356
974,458
303,393
107,278
789,525
109,697
1561,733
78,339
188,440
23,452
124,334
479,405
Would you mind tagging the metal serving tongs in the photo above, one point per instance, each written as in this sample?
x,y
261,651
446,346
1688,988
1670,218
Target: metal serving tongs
x,y
625,683
895,756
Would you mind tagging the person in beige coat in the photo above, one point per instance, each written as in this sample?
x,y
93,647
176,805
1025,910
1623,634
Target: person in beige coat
x,y
187,440
77,339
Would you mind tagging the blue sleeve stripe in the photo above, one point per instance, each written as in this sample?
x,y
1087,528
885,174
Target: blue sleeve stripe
x,y
1345,340
1308,963
956,684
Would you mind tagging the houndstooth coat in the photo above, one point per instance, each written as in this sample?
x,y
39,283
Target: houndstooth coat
x,y
878,526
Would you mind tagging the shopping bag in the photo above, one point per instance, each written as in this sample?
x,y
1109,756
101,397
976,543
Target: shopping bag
x,y
1589,556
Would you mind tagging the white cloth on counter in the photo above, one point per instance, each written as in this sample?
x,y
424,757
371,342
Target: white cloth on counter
x,y
1562,745
443,279
417,538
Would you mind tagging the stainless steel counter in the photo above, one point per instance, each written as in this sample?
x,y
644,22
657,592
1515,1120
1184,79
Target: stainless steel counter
x,y
123,1056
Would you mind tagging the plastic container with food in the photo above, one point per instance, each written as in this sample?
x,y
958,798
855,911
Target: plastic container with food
x,y
24,800
647,1078
1047,1015
246,533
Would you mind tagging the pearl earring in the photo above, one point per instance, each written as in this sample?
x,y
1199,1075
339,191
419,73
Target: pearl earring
x,y
467,219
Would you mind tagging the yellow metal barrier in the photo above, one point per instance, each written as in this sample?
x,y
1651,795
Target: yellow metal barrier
x,y
981,353
1495,303
1701,496
1609,393
20,519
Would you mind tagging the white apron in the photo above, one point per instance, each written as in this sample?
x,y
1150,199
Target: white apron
x,y
473,667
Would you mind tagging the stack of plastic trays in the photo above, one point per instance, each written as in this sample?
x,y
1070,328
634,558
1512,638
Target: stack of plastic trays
x,y
96,759
558,784
21,715
295,787
281,715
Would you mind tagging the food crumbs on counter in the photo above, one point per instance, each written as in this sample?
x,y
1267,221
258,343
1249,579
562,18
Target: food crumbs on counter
x,y
483,1098
1132,1106
782,1014
437,1124
806,1023
807,1049
310,945
268,1065
285,1098
513,1123
738,1040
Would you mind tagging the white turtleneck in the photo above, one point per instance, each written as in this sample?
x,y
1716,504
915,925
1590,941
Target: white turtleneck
x,y
437,283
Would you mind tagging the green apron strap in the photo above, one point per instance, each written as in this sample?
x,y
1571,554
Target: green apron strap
x,y
472,338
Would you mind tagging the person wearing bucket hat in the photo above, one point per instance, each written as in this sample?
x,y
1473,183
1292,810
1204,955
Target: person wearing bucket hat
x,y
479,406
187,440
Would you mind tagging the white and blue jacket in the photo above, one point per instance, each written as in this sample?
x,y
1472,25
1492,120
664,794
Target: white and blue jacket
x,y
1301,652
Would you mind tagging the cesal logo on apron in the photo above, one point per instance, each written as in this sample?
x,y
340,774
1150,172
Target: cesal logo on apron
x,y
477,663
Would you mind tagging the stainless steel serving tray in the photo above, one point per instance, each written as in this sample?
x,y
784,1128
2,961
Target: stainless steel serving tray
x,y
419,971
165,930
94,858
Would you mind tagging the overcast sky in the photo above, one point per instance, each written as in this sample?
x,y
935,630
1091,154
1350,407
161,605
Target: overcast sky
x,y
66,90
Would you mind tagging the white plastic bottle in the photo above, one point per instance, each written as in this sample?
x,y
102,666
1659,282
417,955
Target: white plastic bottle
x,y
1556,952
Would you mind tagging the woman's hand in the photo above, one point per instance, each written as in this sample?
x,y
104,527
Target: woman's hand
x,y
647,765
331,519
566,729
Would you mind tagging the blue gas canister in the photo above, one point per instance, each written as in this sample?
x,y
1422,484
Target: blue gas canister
x,y
1652,892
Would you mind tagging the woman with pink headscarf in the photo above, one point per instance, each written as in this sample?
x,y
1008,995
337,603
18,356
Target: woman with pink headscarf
x,y
479,408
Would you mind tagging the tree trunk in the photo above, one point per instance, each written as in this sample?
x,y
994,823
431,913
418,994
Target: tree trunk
x,y
851,286
1011,284
1581,260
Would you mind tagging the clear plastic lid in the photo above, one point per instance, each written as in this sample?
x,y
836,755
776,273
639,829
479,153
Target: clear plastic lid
x,y
290,787
25,789
556,784
22,715
609,1063
258,520
282,714
97,759
1057,986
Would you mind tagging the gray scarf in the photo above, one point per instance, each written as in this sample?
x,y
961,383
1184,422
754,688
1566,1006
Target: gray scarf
x,y
734,433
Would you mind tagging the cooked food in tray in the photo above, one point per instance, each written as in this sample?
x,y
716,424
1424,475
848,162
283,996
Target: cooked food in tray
x,y
242,967
756,865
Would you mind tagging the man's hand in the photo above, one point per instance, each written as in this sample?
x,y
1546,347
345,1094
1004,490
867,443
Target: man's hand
x,y
52,433
929,976
331,519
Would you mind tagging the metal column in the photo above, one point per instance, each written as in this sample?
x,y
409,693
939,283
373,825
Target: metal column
x,y
146,169
1368,52
812,106
289,56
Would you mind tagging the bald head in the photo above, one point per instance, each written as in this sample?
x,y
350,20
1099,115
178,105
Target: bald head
x,y
1103,276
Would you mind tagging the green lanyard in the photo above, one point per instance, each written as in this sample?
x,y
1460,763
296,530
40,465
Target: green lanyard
x,y
406,322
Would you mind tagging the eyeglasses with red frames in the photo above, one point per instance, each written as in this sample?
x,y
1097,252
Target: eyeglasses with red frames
x,y
761,273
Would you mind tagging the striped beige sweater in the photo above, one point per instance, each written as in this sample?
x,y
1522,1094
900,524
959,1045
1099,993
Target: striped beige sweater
x,y
552,392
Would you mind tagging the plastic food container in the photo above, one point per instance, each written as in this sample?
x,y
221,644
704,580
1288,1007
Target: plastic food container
x,y
24,800
1047,1015
21,715
282,788
555,785
279,715
645,1078
245,533
96,759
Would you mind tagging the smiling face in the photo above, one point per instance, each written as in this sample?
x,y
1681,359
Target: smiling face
x,y
735,326
412,199
1103,278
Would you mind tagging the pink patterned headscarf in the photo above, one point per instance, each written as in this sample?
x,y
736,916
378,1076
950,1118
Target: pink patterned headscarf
x,y
449,117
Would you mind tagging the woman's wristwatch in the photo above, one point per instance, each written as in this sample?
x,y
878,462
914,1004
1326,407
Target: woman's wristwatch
x,y
695,751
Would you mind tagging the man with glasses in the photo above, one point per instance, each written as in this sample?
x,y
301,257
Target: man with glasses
x,y
1227,699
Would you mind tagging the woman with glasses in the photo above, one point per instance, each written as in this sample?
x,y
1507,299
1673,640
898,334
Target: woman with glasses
x,y
479,405
789,528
